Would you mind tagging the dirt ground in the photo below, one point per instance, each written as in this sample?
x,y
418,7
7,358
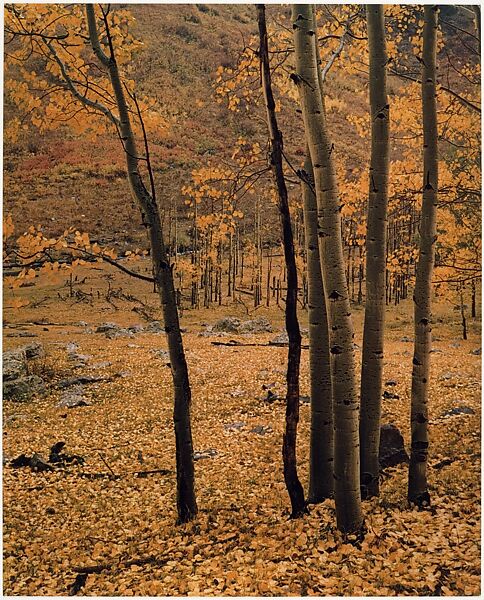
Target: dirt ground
x,y
242,543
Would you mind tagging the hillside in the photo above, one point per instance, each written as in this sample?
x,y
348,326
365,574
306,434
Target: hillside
x,y
50,179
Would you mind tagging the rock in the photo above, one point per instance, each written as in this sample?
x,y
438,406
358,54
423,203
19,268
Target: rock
x,y
100,365
436,351
80,359
81,380
391,383
227,324
27,334
261,429
154,327
138,328
447,376
237,426
14,364
114,334
406,339
72,399
281,339
210,453
81,324
390,395
160,353
210,333
476,352
455,345
23,389
392,449
304,400
258,325
123,374
459,410
34,350
104,327
74,356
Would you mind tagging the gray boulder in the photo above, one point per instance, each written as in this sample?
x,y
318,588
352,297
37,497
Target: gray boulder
x,y
154,327
227,325
23,389
258,325
34,350
14,364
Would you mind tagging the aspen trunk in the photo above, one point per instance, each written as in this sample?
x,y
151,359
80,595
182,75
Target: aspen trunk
x,y
345,395
417,481
186,501
374,327
473,300
321,441
294,487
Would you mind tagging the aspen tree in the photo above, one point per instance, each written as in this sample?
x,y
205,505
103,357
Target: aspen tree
x,y
417,480
373,333
294,487
321,440
186,501
345,395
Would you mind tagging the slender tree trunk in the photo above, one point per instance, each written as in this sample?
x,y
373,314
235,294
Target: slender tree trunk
x,y
186,501
374,327
321,441
294,487
417,481
345,394
463,315
473,299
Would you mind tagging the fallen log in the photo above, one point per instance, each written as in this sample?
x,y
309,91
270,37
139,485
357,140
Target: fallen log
x,y
235,343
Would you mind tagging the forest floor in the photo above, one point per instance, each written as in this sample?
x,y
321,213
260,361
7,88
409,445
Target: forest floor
x,y
242,542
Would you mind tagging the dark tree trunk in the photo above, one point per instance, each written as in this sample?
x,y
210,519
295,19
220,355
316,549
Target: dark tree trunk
x,y
293,484
163,274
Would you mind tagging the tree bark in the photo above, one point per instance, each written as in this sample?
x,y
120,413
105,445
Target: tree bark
x,y
477,21
186,501
374,327
294,487
417,482
345,396
321,441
